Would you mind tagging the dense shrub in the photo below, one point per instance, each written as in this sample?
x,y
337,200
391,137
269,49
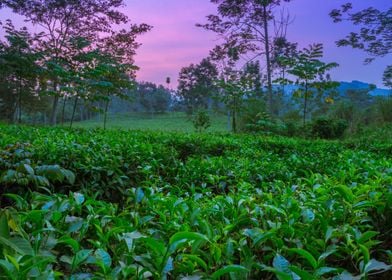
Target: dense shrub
x,y
149,205
384,109
201,120
328,128
255,119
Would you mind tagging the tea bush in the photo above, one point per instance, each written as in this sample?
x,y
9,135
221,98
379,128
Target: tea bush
x,y
149,205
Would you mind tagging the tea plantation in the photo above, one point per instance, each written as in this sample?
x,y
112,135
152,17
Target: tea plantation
x,y
93,204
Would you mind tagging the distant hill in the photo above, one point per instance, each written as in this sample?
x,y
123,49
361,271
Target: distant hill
x,y
344,86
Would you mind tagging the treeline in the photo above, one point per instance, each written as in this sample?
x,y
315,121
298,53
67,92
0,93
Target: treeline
x,y
83,53
282,88
80,64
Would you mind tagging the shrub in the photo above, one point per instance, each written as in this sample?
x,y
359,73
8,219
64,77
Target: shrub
x,y
384,109
254,118
328,128
201,121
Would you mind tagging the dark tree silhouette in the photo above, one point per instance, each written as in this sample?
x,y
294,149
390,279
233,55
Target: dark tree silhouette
x,y
244,25
64,21
375,31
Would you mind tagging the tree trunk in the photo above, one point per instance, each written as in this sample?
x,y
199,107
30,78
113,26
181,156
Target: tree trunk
x,y
53,115
228,120
63,111
105,114
234,119
73,111
268,58
305,103
20,101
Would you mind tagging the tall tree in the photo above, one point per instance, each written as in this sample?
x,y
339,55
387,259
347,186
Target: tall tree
x,y
283,55
236,86
107,78
18,60
375,30
196,85
311,74
62,21
387,77
245,26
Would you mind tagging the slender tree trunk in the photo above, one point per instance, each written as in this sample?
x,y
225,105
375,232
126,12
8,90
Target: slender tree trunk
x,y
305,103
228,120
20,101
73,111
63,111
268,58
105,114
53,115
234,120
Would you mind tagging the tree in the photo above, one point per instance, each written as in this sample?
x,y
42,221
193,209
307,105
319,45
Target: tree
x,y
244,25
63,21
236,87
107,78
283,54
152,97
387,77
18,60
311,74
196,85
374,36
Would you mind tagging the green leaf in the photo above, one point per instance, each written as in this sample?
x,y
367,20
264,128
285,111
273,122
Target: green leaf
x,y
345,192
79,258
325,270
18,244
306,255
4,229
139,195
308,216
69,175
279,274
168,266
365,253
301,273
258,236
156,245
185,236
27,169
374,265
196,259
79,198
70,242
281,264
366,236
330,250
103,257
9,269
229,269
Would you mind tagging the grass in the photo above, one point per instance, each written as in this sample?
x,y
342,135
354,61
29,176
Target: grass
x,y
176,121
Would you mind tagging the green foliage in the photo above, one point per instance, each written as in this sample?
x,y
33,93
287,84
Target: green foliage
x,y
201,121
196,85
170,206
329,128
373,36
311,74
384,110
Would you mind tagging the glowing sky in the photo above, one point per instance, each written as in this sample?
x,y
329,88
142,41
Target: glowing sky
x,y
175,42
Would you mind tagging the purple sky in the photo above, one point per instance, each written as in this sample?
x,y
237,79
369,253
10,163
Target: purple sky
x,y
175,42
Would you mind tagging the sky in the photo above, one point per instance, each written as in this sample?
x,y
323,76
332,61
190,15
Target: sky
x,y
175,41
